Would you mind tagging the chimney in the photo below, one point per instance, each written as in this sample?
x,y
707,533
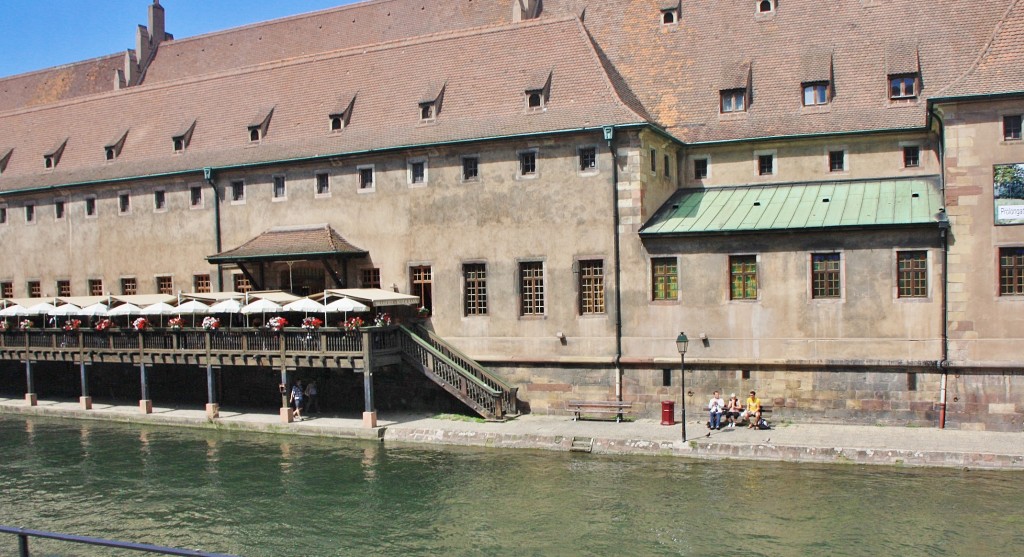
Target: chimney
x,y
523,10
156,23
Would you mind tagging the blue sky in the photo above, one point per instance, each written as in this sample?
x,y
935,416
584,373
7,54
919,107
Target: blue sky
x,y
37,34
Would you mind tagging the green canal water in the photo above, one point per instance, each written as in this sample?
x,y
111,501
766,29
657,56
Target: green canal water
x,y
268,495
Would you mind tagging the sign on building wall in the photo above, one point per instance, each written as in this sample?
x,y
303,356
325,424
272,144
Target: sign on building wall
x,y
1008,190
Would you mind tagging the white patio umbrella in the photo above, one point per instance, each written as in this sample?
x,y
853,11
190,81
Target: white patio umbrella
x,y
260,306
95,310
126,310
194,308
43,308
230,305
345,305
14,311
305,305
66,310
160,308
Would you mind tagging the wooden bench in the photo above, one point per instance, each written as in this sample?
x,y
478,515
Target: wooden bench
x,y
615,407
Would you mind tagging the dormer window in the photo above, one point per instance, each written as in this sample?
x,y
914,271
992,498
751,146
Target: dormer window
x,y
111,155
340,116
259,126
5,157
765,6
112,150
816,93
52,157
181,140
430,102
733,100
903,86
538,91
669,17
535,99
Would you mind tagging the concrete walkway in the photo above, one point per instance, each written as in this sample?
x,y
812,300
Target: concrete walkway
x,y
827,443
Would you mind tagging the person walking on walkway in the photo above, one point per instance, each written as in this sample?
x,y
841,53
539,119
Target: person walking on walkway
x,y
296,399
311,399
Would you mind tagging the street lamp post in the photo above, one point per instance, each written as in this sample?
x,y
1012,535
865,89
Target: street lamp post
x,y
681,344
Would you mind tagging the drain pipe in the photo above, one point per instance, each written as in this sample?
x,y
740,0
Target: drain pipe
x,y
208,175
944,234
609,135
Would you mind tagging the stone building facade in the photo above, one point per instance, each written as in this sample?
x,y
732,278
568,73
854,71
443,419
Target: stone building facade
x,y
566,214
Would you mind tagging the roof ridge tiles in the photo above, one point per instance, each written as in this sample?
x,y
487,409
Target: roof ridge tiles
x,y
76,63
996,33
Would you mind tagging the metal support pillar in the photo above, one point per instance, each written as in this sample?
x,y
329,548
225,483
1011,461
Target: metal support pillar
x,y
85,400
212,408
145,404
30,385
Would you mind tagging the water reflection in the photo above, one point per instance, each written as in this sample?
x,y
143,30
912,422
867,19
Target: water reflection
x,y
270,496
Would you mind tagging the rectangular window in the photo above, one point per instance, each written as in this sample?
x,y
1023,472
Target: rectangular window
x,y
668,167
474,277
836,161
664,278
159,200
35,289
3,215
63,288
124,203
237,191
734,100
90,206
470,169
825,275
911,156
765,165
417,172
422,285
700,169
654,161
591,287
531,288
195,196
370,278
1011,127
743,277
129,287
912,274
58,209
7,289
588,159
279,191
528,163
903,86
165,285
200,283
366,178
1011,271
323,184
241,283
815,93
30,213
95,287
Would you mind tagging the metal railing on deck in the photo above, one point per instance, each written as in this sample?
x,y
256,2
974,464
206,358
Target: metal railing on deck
x,y
24,534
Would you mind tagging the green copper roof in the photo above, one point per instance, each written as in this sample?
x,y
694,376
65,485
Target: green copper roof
x,y
802,206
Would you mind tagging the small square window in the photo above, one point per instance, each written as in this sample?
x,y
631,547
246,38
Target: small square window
x,y
535,99
669,16
427,111
49,161
237,191
528,163
1011,127
111,153
765,165
733,100
3,215
35,289
417,172
90,206
1011,271
323,184
836,161
95,287
201,283
279,187
129,286
58,209
911,156
179,144
241,283
366,178
815,94
370,278
700,169
195,196
588,159
6,289
159,200
165,285
903,86
30,213
255,134
124,203
765,6
470,169
63,288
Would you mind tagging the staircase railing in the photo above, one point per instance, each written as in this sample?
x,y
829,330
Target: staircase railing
x,y
453,376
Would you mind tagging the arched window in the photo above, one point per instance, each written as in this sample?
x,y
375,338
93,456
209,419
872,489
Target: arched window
x,y
766,6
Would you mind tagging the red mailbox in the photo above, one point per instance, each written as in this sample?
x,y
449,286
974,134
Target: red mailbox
x,y
668,412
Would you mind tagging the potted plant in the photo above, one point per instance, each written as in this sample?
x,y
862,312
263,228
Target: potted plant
x,y
422,312
352,325
382,320
25,324
312,323
72,325
104,325
277,324
176,323
4,326
211,323
140,324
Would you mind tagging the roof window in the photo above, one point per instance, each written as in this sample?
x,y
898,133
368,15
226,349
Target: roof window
x,y
112,150
816,76
259,126
903,68
734,87
903,86
341,115
670,12
766,6
182,139
430,102
52,157
538,90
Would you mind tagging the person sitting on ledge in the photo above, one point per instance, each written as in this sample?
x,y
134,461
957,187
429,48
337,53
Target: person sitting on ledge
x,y
733,409
753,411
715,406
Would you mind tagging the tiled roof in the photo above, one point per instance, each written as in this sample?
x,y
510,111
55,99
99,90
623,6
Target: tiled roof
x,y
1000,69
61,83
803,206
364,23
484,97
677,71
289,242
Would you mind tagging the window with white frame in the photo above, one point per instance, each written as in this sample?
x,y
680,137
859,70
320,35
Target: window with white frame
x,y
528,163
238,191
280,191
160,201
366,178
416,170
323,184
124,203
